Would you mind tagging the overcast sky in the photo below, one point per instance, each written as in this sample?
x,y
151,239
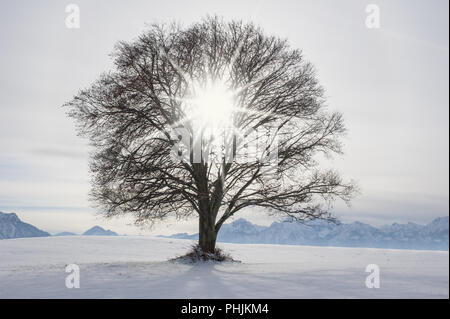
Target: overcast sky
x,y
391,83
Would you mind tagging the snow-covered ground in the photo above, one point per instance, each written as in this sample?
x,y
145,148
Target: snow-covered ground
x,y
137,267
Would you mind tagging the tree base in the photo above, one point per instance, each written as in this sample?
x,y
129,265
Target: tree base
x,y
196,255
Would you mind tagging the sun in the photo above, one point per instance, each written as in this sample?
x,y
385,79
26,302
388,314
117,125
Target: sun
x,y
212,106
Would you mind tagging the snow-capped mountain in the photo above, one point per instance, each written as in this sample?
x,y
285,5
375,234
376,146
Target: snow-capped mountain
x,y
98,231
434,235
12,227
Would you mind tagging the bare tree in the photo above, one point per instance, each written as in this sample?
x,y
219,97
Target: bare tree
x,y
131,113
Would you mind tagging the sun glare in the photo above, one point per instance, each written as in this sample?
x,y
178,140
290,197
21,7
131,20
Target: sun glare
x,y
212,106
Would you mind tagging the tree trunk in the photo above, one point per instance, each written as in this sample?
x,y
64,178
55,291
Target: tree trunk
x,y
207,234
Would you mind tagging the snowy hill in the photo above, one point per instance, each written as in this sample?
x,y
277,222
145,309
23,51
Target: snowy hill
x,y
138,267
99,231
12,227
433,236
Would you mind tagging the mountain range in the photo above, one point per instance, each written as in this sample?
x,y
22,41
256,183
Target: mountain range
x,y
434,236
12,227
